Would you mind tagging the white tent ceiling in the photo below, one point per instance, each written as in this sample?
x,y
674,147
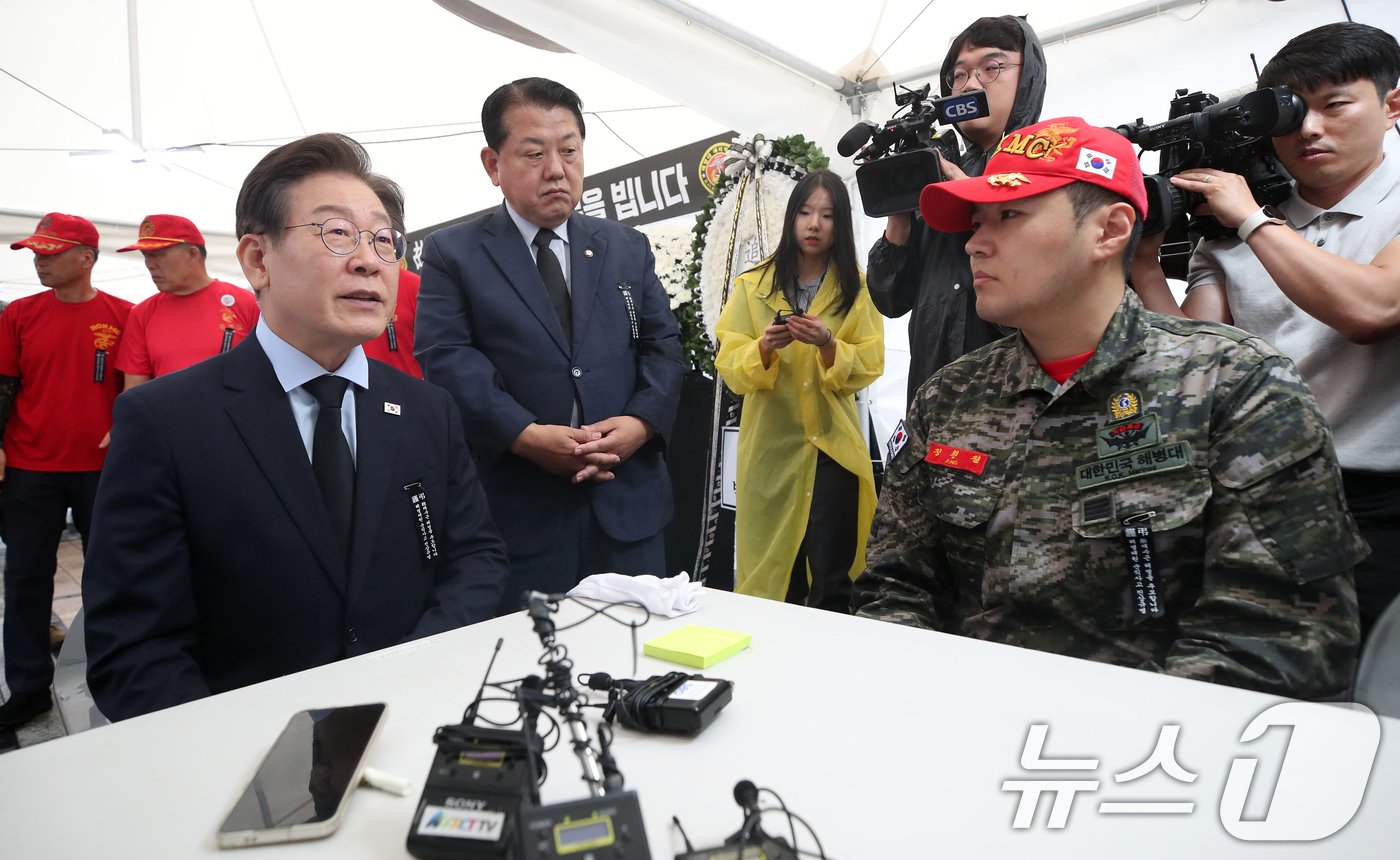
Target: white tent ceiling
x,y
408,79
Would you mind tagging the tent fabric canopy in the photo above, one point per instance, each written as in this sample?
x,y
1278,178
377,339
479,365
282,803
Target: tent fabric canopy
x,y
408,79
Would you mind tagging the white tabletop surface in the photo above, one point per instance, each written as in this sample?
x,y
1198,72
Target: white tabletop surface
x,y
892,742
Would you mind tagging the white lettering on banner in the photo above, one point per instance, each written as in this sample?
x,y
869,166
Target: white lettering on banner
x,y
593,203
639,191
1321,780
418,254
622,200
655,191
681,195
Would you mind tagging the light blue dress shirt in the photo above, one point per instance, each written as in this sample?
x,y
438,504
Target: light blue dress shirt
x,y
294,368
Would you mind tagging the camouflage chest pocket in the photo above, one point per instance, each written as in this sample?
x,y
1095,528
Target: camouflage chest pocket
x,y
966,505
1280,467
1171,507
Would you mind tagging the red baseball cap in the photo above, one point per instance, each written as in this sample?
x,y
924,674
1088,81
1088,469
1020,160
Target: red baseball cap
x,y
57,233
162,231
1037,159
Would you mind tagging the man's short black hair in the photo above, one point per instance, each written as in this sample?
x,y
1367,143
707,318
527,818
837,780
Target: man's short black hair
x,y
263,199
536,92
1086,197
1335,54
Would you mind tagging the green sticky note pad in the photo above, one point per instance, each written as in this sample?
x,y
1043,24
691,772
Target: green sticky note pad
x,y
694,645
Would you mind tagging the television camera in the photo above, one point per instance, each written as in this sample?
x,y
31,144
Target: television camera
x,y
899,158
1231,135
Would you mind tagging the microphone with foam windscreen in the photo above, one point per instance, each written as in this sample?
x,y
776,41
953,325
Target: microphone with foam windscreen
x,y
746,795
851,142
749,840
774,847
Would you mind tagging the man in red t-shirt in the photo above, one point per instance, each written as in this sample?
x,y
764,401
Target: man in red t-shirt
x,y
395,346
192,317
57,386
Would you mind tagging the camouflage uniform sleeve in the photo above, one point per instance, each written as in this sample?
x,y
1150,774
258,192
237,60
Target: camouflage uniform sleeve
x,y
904,553
1277,612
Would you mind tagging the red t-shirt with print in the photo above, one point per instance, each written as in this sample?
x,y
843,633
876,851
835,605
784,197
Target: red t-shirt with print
x,y
62,410
167,332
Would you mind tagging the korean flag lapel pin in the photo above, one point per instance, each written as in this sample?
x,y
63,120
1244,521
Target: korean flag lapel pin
x,y
392,408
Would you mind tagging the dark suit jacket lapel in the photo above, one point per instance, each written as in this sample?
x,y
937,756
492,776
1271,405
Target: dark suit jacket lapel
x,y
584,269
262,416
377,441
507,247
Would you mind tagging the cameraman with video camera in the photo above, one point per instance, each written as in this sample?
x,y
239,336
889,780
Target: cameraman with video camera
x,y
1319,277
915,268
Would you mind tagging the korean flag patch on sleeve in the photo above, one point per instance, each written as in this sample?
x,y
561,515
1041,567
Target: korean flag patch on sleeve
x,y
1092,161
898,439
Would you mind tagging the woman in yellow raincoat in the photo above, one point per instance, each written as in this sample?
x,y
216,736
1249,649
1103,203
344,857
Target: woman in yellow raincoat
x,y
798,338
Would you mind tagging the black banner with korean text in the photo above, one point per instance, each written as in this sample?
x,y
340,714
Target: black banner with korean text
x,y
652,189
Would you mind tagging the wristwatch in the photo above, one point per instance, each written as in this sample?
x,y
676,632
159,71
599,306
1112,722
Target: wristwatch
x,y
1258,218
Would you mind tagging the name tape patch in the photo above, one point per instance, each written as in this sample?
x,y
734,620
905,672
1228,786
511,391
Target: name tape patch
x,y
956,458
1163,458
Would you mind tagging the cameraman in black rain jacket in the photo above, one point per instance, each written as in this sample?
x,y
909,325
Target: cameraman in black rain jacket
x,y
913,267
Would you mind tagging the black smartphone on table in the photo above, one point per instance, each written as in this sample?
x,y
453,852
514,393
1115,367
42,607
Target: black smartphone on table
x,y
303,784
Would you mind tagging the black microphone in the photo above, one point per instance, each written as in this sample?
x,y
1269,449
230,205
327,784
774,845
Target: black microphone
x,y
746,795
748,840
854,139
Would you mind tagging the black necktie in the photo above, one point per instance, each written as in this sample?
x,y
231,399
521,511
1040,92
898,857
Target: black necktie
x,y
330,456
553,277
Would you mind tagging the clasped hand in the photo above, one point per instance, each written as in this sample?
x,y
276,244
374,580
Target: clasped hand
x,y
587,453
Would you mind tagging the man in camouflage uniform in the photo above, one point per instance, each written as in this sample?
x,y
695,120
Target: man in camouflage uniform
x,y
1109,483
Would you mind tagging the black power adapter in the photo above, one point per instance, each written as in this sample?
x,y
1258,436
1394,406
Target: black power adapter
x,y
675,703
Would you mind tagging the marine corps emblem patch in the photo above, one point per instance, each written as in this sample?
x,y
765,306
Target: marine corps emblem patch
x,y
1124,404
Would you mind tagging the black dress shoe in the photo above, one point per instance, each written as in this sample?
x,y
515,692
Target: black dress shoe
x,y
23,707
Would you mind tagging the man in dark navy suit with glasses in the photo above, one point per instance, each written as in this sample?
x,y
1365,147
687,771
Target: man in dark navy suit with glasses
x,y
288,503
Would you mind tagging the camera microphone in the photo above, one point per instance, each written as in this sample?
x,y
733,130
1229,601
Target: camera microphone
x,y
746,795
749,840
851,142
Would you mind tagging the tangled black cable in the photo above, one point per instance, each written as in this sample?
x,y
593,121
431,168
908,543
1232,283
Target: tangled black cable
x,y
630,702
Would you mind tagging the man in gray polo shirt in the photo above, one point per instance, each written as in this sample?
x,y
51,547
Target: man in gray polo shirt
x,y
1319,277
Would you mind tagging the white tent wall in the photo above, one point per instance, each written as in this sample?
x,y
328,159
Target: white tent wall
x,y
408,79
259,73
